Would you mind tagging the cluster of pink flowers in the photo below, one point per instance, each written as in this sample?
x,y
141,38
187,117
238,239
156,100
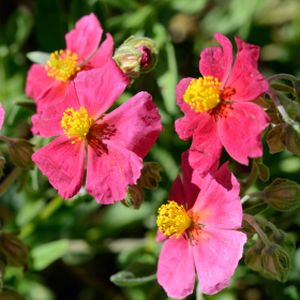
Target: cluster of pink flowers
x,y
201,223
73,92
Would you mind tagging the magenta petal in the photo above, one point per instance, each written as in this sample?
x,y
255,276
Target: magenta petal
x,y
40,125
104,53
85,37
245,78
137,122
206,147
176,271
186,125
216,257
177,192
2,115
98,89
39,85
218,207
241,131
63,163
109,174
216,61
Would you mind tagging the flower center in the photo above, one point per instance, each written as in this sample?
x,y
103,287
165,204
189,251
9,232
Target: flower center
x,y
62,65
203,94
172,219
76,123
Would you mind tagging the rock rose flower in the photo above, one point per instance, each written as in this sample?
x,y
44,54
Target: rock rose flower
x,y
110,145
200,232
217,107
48,83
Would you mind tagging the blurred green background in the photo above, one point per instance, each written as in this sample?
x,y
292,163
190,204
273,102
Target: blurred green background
x,y
76,245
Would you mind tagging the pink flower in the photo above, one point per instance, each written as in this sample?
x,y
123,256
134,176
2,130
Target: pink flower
x,y
2,115
48,83
112,145
217,107
200,228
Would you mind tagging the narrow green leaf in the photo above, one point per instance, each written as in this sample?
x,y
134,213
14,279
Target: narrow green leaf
x,y
127,279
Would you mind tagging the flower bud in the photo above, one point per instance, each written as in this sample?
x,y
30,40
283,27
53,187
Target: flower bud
x,y
253,256
136,55
282,194
2,163
13,249
20,152
150,177
276,262
134,197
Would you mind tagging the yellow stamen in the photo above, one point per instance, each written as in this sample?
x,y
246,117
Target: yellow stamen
x,y
62,65
203,94
172,219
76,124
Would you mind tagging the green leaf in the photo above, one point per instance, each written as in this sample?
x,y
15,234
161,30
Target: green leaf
x,y
128,279
46,254
38,57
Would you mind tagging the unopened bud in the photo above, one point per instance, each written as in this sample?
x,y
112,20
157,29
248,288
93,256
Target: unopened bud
x,y
253,256
134,197
13,249
136,55
20,152
282,194
276,262
150,177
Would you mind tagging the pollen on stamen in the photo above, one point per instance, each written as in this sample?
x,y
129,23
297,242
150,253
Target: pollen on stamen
x,y
203,94
62,65
172,219
76,124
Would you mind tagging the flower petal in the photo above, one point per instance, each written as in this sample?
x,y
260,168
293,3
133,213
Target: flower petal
x,y
176,271
216,257
63,163
241,130
47,121
245,78
40,86
85,37
2,115
137,123
180,90
109,174
104,53
218,207
216,61
186,125
206,147
98,89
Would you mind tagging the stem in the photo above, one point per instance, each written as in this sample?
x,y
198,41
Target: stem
x,y
251,220
13,175
283,76
282,111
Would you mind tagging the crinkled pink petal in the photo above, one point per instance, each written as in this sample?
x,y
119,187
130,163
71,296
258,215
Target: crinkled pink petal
x,y
63,163
216,256
176,271
47,122
40,86
2,115
206,147
85,37
245,78
180,90
98,89
186,125
191,191
160,236
104,53
137,122
109,174
240,131
216,61
218,207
